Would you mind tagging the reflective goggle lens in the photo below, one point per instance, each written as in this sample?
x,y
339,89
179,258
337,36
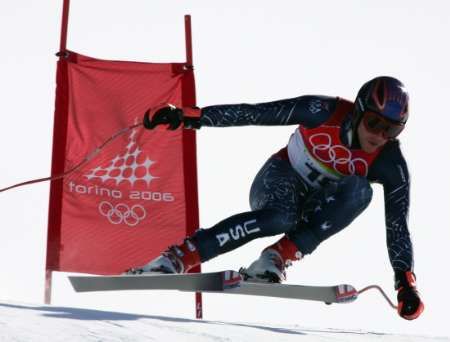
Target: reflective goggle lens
x,y
376,124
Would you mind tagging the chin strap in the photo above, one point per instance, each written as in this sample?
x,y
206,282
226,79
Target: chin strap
x,y
88,157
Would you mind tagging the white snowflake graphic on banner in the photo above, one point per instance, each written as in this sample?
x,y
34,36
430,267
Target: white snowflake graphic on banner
x,y
125,167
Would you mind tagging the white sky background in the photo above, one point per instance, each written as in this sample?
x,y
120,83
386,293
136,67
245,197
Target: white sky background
x,y
244,51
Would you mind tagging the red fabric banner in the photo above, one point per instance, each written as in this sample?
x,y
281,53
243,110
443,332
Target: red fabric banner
x,y
128,202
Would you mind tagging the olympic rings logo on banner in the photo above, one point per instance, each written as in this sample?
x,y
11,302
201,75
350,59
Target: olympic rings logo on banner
x,y
122,213
337,155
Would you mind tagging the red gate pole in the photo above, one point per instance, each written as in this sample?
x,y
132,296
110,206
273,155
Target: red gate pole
x,y
54,218
189,155
188,35
64,25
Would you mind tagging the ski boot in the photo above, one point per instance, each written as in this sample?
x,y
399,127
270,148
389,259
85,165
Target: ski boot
x,y
270,267
176,259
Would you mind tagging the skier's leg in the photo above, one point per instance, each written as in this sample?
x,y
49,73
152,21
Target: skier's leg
x,y
329,210
326,211
286,195
275,198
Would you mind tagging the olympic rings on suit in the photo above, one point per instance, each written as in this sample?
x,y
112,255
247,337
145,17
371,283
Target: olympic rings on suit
x,y
337,155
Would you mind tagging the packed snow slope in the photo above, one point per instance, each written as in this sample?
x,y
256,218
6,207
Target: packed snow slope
x,y
28,323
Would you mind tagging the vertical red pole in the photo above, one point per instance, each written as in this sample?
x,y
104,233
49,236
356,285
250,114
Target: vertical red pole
x,y
54,221
64,25
188,34
189,155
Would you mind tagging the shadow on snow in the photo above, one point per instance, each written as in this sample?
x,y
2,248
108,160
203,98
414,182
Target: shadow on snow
x,y
98,315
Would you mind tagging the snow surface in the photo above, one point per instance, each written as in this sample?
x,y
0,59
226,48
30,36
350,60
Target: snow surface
x,y
25,322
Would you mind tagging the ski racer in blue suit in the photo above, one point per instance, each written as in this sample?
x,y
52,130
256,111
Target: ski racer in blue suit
x,y
314,187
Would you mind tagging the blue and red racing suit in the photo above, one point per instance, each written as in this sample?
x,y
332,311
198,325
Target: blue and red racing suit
x,y
315,186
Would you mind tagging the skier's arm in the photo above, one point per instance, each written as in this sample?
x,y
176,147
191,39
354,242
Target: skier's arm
x,y
308,110
390,169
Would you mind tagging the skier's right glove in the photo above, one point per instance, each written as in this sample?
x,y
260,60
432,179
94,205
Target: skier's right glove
x,y
173,117
410,306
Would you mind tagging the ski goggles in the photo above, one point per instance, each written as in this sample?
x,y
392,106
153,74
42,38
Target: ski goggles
x,y
376,124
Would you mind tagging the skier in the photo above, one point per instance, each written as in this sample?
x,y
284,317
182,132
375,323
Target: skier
x,y
314,187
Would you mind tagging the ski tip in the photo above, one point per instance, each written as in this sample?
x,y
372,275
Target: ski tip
x,y
74,283
346,293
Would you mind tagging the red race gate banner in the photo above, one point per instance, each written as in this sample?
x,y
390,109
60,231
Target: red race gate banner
x,y
128,192
128,202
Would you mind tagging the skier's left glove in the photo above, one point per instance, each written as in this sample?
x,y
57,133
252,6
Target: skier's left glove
x,y
410,306
173,117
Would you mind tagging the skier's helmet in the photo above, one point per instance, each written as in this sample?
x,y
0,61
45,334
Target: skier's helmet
x,y
385,96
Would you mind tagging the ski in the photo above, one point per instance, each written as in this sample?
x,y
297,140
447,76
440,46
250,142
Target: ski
x,y
196,282
226,282
327,294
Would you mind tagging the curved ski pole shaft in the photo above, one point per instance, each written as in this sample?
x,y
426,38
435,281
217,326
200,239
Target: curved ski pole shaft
x,y
80,164
376,287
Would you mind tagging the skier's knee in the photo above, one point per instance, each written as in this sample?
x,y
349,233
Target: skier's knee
x,y
281,221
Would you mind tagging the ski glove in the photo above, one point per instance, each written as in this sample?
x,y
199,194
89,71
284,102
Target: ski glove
x,y
410,305
172,116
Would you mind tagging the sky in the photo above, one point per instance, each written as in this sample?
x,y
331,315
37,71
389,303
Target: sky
x,y
252,51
